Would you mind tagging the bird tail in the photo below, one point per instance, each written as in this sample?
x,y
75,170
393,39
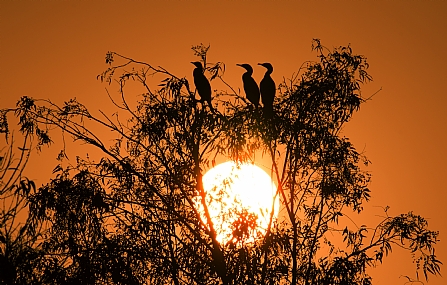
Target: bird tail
x,y
268,111
211,106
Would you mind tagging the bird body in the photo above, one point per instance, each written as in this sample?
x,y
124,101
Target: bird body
x,y
267,89
202,84
250,86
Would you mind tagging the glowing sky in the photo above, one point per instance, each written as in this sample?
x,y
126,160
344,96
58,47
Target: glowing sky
x,y
55,49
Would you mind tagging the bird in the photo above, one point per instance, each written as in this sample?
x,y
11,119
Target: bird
x,y
203,86
250,86
268,89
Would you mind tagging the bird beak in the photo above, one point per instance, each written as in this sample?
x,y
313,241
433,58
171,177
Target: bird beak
x,y
239,64
259,63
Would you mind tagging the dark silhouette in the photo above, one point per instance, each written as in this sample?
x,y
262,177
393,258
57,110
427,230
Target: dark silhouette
x,y
250,86
268,89
203,86
133,216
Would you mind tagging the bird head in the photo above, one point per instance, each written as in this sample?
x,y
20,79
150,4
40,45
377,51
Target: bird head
x,y
198,64
267,65
246,66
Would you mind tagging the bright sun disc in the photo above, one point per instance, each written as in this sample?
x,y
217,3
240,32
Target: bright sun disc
x,y
240,200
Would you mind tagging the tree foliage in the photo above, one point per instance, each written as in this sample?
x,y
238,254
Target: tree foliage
x,y
23,258
132,216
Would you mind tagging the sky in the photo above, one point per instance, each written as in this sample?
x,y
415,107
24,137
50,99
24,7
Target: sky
x,y
55,49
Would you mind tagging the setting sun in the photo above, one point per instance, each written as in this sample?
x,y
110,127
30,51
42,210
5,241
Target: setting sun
x,y
240,200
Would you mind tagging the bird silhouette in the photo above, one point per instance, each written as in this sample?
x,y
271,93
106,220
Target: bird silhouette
x,y
268,89
203,86
250,86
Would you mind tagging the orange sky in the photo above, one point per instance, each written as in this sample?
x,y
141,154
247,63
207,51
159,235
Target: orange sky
x,y
55,49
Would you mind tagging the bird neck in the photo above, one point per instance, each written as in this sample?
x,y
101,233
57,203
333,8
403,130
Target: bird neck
x,y
198,71
249,72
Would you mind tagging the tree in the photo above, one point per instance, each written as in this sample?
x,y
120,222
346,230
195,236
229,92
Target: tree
x,y
23,257
132,217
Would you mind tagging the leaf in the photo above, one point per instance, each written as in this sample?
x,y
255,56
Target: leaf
x,y
58,168
22,230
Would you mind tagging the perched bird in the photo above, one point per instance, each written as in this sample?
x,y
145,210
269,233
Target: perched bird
x,y
250,86
268,89
203,86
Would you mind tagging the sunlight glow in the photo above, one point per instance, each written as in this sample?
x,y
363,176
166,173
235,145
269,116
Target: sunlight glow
x,y
240,200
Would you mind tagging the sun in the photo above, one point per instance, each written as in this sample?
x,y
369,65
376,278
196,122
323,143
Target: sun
x,y
240,199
